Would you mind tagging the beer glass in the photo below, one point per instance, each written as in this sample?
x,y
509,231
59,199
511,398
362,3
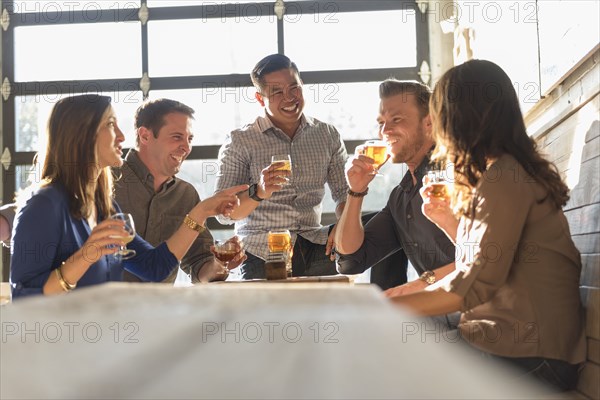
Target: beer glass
x,y
439,182
280,242
287,166
377,150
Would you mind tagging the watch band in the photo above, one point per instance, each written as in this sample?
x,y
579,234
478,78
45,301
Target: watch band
x,y
253,192
358,194
190,223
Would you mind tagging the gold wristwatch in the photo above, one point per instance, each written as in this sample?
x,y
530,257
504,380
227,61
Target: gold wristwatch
x,y
428,277
190,223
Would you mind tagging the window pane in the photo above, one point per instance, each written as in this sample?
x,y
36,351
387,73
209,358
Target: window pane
x,y
218,110
222,46
50,9
506,34
351,40
379,189
32,113
76,52
568,31
25,175
351,107
202,174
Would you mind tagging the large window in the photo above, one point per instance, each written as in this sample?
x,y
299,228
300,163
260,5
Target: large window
x,y
201,53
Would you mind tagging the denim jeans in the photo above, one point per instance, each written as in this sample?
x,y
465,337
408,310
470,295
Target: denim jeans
x,y
558,375
309,259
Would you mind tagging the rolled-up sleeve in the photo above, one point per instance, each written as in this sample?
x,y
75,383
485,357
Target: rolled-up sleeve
x,y
234,169
486,246
199,254
336,177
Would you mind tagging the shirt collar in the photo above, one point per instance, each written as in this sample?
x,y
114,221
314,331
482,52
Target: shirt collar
x,y
265,123
420,171
142,172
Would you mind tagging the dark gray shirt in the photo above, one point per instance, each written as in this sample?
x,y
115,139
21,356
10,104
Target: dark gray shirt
x,y
402,226
157,215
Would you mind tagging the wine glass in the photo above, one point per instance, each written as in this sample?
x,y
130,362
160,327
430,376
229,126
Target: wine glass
x,y
225,251
377,150
129,227
287,166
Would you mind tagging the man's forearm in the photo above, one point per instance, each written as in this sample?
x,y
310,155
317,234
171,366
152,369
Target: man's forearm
x,y
247,205
350,233
339,210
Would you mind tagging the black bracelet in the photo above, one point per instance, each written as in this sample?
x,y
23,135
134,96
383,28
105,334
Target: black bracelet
x,y
358,194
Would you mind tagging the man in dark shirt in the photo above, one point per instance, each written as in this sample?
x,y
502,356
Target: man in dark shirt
x,y
405,125
155,197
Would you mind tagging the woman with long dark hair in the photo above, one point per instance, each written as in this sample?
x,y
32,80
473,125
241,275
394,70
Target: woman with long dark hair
x,y
517,270
63,236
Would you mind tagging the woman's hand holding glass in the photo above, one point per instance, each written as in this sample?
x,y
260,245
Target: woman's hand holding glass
x,y
436,191
129,227
105,239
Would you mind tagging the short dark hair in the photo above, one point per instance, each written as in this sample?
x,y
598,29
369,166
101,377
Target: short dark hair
x,y
422,93
271,63
151,114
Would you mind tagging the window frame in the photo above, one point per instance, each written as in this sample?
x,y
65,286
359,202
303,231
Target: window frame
x,y
186,82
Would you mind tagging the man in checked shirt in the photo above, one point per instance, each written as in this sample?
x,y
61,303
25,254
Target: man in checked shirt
x,y
277,199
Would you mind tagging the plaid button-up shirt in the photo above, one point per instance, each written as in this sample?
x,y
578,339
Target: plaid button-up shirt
x,y
318,157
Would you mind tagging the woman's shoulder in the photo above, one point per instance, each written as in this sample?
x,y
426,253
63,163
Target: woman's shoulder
x,y
53,196
508,177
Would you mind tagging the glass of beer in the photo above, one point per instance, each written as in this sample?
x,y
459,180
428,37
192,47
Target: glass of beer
x,y
286,159
439,182
276,267
129,227
280,241
377,150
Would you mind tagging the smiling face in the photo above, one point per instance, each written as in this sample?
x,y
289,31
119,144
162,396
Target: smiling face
x,y
407,134
281,95
108,141
164,153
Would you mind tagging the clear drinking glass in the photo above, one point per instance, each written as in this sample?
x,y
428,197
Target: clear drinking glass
x,y
280,242
287,166
375,149
129,227
439,182
225,251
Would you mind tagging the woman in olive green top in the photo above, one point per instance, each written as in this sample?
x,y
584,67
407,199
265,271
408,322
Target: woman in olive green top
x,y
517,270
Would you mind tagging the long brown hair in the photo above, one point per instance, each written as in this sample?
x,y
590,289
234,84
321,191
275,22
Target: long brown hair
x,y
70,158
476,117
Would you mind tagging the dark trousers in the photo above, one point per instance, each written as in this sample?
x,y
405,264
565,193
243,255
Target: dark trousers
x,y
309,259
391,271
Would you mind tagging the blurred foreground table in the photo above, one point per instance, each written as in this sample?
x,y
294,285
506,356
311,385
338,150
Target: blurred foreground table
x,y
258,340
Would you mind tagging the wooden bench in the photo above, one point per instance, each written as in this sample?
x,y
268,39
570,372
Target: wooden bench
x,y
589,379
